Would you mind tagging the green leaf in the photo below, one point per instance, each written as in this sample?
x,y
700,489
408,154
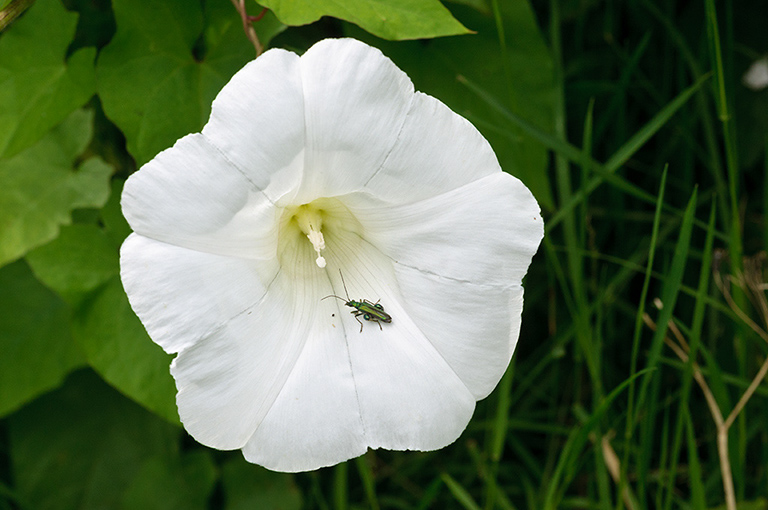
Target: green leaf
x,y
248,486
39,189
166,63
35,340
83,445
182,483
75,263
435,66
39,87
119,349
392,19
115,224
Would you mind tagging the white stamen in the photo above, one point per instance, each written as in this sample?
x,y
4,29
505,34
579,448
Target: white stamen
x,y
310,222
318,243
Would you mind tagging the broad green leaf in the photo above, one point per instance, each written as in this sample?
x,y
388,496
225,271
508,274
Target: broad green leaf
x,y
76,262
115,224
248,486
166,63
39,86
523,82
82,446
35,340
39,187
396,20
119,349
180,483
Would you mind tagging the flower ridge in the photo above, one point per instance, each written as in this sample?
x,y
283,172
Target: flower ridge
x,y
327,174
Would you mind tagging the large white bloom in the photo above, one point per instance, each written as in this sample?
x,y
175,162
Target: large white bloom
x,y
309,165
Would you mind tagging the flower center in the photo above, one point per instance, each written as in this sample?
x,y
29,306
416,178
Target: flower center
x,y
315,235
310,222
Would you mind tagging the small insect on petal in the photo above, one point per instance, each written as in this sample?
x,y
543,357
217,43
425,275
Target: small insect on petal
x,y
372,312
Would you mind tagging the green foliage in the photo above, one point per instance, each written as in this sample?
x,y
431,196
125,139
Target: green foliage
x,y
75,263
44,183
65,455
40,85
592,105
165,64
119,349
36,345
395,20
179,483
248,486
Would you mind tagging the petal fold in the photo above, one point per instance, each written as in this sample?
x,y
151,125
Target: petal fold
x,y
190,195
257,121
355,103
410,397
436,151
459,259
485,232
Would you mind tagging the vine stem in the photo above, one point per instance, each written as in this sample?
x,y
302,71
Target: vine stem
x,y
248,21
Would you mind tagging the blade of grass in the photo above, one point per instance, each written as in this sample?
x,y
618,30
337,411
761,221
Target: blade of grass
x,y
430,494
694,342
605,172
570,229
566,465
735,242
369,485
698,494
340,489
629,428
459,492
501,420
621,85
670,291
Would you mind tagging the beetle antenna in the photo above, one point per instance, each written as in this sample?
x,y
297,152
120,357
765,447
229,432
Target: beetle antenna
x,y
334,295
344,284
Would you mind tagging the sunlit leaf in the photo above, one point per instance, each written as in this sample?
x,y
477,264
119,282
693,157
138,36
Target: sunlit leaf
x,y
40,186
39,86
394,19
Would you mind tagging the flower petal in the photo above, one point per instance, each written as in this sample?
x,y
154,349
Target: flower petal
x,y
230,379
315,421
191,196
485,232
474,327
410,398
355,103
459,262
436,151
257,121
238,340
181,294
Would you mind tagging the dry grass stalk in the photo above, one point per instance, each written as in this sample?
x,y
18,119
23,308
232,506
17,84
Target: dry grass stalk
x,y
751,281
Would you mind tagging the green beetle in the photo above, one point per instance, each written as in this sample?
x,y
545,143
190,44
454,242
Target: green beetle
x,y
373,312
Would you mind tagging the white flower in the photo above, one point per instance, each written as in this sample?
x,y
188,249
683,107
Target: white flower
x,y
308,166
756,77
